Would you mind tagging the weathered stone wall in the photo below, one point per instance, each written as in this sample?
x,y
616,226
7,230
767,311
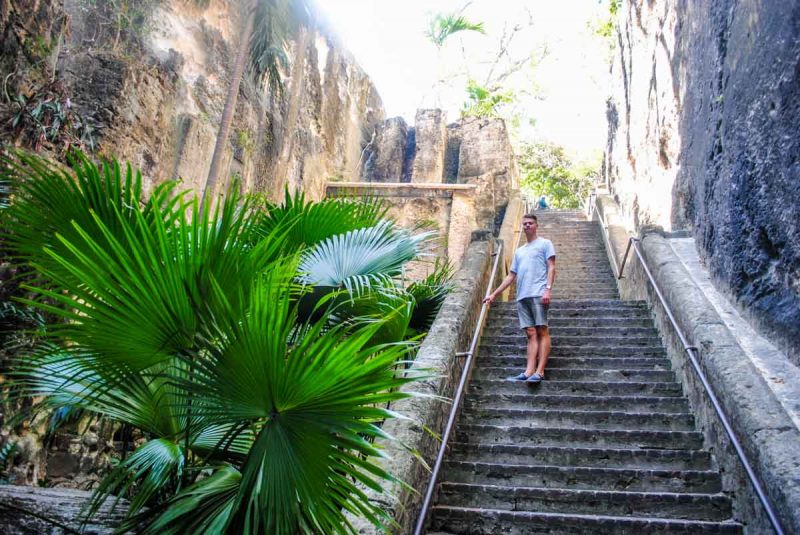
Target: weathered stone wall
x,y
154,95
703,136
472,151
446,209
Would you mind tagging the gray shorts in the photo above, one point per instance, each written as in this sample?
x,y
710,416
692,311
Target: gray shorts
x,y
531,312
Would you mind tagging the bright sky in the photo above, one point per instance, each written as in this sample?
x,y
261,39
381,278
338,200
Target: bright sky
x,y
564,95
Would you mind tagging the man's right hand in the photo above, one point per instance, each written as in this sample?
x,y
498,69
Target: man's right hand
x,y
489,299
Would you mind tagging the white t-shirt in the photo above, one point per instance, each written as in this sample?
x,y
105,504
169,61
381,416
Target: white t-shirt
x,y
530,265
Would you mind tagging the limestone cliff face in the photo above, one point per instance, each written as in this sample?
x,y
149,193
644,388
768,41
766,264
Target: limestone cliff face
x,y
703,136
153,85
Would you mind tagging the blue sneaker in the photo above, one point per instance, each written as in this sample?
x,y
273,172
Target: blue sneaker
x,y
520,378
535,378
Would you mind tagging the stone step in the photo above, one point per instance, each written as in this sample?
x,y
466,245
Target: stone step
x,y
570,437
567,244
668,404
603,284
581,294
582,341
568,268
574,351
587,419
578,374
598,321
571,456
579,317
481,521
584,270
603,290
589,274
568,249
567,316
510,328
531,475
577,291
581,280
583,304
581,257
548,386
685,506
596,363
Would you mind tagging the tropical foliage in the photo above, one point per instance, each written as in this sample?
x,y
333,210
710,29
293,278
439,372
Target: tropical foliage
x,y
486,101
185,325
547,170
442,26
268,25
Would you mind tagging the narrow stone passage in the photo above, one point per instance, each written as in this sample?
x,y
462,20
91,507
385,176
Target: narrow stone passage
x,y
605,444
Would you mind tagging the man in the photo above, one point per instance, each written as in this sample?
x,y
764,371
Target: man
x,y
534,269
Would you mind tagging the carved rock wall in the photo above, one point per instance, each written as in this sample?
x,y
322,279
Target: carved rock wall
x,y
154,96
703,136
470,151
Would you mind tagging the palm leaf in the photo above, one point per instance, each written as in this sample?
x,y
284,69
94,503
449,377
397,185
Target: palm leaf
x,y
152,468
443,26
310,223
428,295
274,22
359,258
313,402
202,508
54,205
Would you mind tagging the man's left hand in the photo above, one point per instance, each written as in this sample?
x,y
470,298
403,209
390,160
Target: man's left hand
x,y
546,297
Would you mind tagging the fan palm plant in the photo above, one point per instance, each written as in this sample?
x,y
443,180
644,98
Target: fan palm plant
x,y
183,324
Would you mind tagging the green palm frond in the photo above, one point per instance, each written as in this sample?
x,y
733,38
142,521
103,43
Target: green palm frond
x,y
155,466
141,283
443,26
428,295
314,402
101,387
312,222
5,193
274,22
359,258
55,205
204,507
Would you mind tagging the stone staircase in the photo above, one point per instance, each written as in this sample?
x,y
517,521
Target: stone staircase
x,y
605,444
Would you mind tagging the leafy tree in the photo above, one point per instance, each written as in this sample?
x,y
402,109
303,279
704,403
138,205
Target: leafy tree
x,y
485,102
545,169
184,324
267,26
443,26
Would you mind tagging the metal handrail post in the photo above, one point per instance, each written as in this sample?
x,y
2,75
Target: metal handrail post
x,y
691,351
451,420
625,256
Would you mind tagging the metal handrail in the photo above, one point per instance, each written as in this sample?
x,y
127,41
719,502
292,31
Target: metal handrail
x,y
457,397
693,354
